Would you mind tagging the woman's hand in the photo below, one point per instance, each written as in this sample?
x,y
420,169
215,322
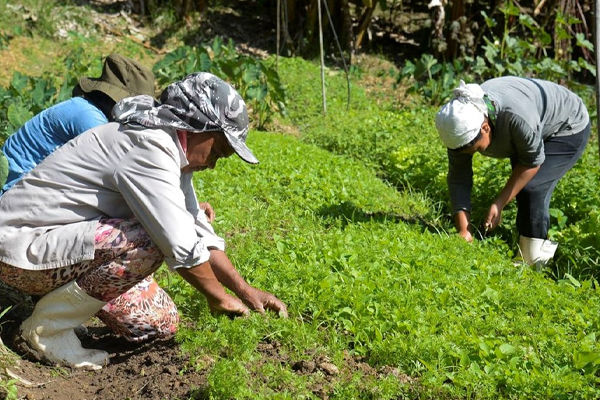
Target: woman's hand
x,y
208,210
258,300
227,304
520,176
255,299
466,234
219,301
494,217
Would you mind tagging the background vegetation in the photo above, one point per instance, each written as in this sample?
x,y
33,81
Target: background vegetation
x,y
346,217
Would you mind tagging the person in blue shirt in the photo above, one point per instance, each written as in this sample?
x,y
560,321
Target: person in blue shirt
x,y
91,106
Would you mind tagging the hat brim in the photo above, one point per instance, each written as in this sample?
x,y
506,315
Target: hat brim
x,y
114,92
241,149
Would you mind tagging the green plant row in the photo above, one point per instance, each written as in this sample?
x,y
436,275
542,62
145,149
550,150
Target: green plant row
x,y
257,81
401,143
366,278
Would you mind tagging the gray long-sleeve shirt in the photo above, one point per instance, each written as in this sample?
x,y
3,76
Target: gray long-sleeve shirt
x,y
49,218
528,112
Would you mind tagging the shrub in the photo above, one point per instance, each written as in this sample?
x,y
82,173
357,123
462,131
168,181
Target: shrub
x,y
257,81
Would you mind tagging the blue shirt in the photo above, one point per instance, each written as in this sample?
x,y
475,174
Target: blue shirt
x,y
46,132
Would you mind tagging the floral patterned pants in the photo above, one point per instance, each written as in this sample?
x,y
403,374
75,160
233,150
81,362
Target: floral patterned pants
x,y
120,274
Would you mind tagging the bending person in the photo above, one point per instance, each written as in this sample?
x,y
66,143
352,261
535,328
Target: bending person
x,y
540,126
104,211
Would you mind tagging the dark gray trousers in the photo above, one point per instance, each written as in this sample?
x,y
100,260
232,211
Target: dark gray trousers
x,y
533,202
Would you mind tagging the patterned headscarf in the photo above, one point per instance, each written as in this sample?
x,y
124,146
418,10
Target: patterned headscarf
x,y
459,121
201,102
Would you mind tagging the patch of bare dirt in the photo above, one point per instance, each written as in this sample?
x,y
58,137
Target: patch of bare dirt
x,y
153,370
158,370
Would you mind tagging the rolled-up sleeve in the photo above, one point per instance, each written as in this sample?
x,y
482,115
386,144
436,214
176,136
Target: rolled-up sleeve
x,y
460,180
149,179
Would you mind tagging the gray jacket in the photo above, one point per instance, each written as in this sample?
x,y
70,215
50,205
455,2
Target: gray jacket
x,y
49,218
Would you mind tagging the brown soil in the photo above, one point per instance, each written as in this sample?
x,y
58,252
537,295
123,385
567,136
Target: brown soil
x,y
156,369
153,370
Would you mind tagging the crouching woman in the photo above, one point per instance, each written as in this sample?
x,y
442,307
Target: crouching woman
x,y
103,212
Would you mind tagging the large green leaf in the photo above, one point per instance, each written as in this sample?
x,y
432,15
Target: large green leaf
x,y
18,114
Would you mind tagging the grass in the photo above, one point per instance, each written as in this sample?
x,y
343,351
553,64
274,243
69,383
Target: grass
x,y
362,280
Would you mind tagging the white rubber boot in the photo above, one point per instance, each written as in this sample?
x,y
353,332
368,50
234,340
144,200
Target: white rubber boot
x,y
537,252
50,329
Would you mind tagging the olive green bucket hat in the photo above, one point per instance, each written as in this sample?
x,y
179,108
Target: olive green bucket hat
x,y
3,169
121,77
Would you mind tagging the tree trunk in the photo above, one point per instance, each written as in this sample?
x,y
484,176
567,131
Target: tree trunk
x,y
303,25
562,46
346,37
365,21
458,11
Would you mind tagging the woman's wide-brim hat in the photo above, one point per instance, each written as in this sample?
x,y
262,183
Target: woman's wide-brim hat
x,y
121,77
